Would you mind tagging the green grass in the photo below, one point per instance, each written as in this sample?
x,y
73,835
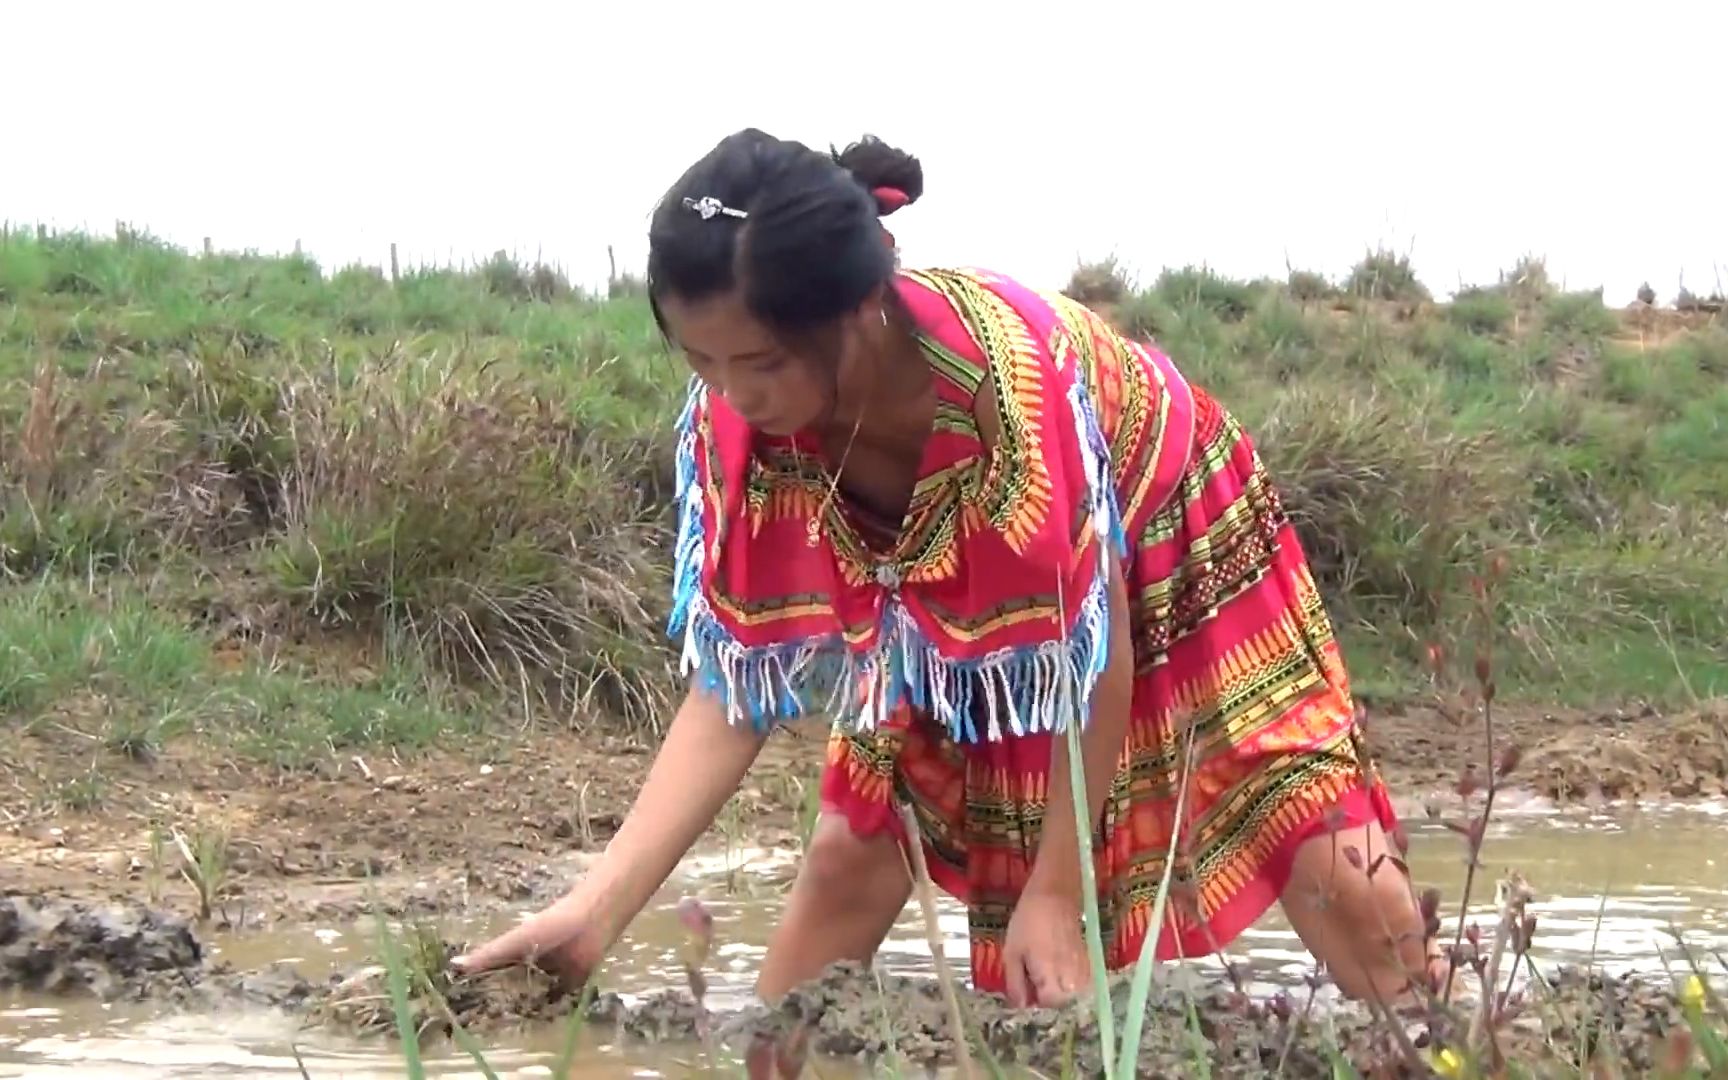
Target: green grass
x,y
120,666
476,468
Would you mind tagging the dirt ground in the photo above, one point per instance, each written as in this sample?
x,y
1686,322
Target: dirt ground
x,y
506,822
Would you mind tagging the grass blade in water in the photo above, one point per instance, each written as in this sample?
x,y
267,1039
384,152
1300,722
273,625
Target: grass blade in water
x,y
457,1031
561,1069
925,890
1089,885
396,973
1147,963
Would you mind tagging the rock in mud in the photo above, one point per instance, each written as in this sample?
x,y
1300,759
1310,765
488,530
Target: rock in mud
x,y
62,946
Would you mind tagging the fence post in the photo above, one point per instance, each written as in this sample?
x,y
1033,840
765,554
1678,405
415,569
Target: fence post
x,y
395,269
207,251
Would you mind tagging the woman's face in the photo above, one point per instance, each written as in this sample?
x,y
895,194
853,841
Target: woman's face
x,y
772,387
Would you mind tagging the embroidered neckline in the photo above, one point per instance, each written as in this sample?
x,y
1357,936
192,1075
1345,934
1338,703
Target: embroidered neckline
x,y
780,463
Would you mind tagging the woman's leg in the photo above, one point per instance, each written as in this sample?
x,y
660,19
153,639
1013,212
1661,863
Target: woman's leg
x,y
1364,927
849,891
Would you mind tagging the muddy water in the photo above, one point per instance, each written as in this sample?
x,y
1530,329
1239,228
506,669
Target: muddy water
x,y
1610,886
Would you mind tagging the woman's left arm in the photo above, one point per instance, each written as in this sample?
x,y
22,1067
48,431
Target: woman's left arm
x,y
1056,867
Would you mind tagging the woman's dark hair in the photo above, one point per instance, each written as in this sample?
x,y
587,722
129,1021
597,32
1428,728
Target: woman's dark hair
x,y
810,248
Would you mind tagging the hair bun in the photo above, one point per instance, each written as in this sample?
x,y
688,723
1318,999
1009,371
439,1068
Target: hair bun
x,y
893,177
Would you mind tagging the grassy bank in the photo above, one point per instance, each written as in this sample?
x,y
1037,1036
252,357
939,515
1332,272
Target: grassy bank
x,y
469,474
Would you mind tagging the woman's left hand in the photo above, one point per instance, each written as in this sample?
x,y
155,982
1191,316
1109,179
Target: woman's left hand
x,y
1044,952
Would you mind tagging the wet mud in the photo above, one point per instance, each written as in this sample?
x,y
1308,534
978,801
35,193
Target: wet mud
x,y
58,947
1194,1025
63,947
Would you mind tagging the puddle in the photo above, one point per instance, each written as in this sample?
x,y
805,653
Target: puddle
x,y
1609,887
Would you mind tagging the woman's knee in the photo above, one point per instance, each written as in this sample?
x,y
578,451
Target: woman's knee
x,y
1358,917
840,862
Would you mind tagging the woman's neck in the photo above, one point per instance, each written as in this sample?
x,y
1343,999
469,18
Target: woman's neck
x,y
884,385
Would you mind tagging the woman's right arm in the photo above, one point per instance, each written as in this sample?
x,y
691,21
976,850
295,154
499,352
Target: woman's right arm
x,y
700,765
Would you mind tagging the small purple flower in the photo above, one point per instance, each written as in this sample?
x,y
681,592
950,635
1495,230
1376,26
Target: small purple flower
x,y
698,923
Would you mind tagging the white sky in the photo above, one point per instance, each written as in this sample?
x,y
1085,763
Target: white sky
x,y
1240,135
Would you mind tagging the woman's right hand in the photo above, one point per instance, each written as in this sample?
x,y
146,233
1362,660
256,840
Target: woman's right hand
x,y
699,766
566,939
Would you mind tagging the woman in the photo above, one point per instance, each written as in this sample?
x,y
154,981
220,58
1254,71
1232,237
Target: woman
x,y
956,515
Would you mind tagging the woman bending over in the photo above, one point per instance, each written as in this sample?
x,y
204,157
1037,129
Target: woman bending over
x,y
956,514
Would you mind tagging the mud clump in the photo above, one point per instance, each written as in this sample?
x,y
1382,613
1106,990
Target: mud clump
x,y
851,1013
1633,1016
1679,757
492,1002
1196,1026
128,951
360,1002
61,946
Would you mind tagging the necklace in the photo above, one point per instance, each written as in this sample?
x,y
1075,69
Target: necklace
x,y
813,528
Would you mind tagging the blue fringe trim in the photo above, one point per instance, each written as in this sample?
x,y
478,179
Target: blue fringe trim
x,y
1021,691
687,550
1100,479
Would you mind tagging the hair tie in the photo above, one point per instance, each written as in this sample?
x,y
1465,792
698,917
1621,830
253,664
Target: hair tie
x,y
888,199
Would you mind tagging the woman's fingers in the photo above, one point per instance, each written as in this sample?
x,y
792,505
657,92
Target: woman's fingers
x,y
520,944
1019,986
1049,985
501,951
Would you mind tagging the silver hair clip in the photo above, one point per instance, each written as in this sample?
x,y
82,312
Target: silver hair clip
x,y
707,206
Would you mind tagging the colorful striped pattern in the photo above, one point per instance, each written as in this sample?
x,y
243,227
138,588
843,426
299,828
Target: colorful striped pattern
x,y
1232,646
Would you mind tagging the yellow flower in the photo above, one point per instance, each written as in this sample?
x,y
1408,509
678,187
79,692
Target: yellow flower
x,y
1447,1063
1692,993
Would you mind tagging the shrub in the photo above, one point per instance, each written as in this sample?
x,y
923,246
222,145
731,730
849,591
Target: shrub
x,y
1098,283
1527,282
1384,275
1199,287
1391,505
1579,316
461,506
1461,352
1281,336
1482,311
1310,287
1145,316
91,485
